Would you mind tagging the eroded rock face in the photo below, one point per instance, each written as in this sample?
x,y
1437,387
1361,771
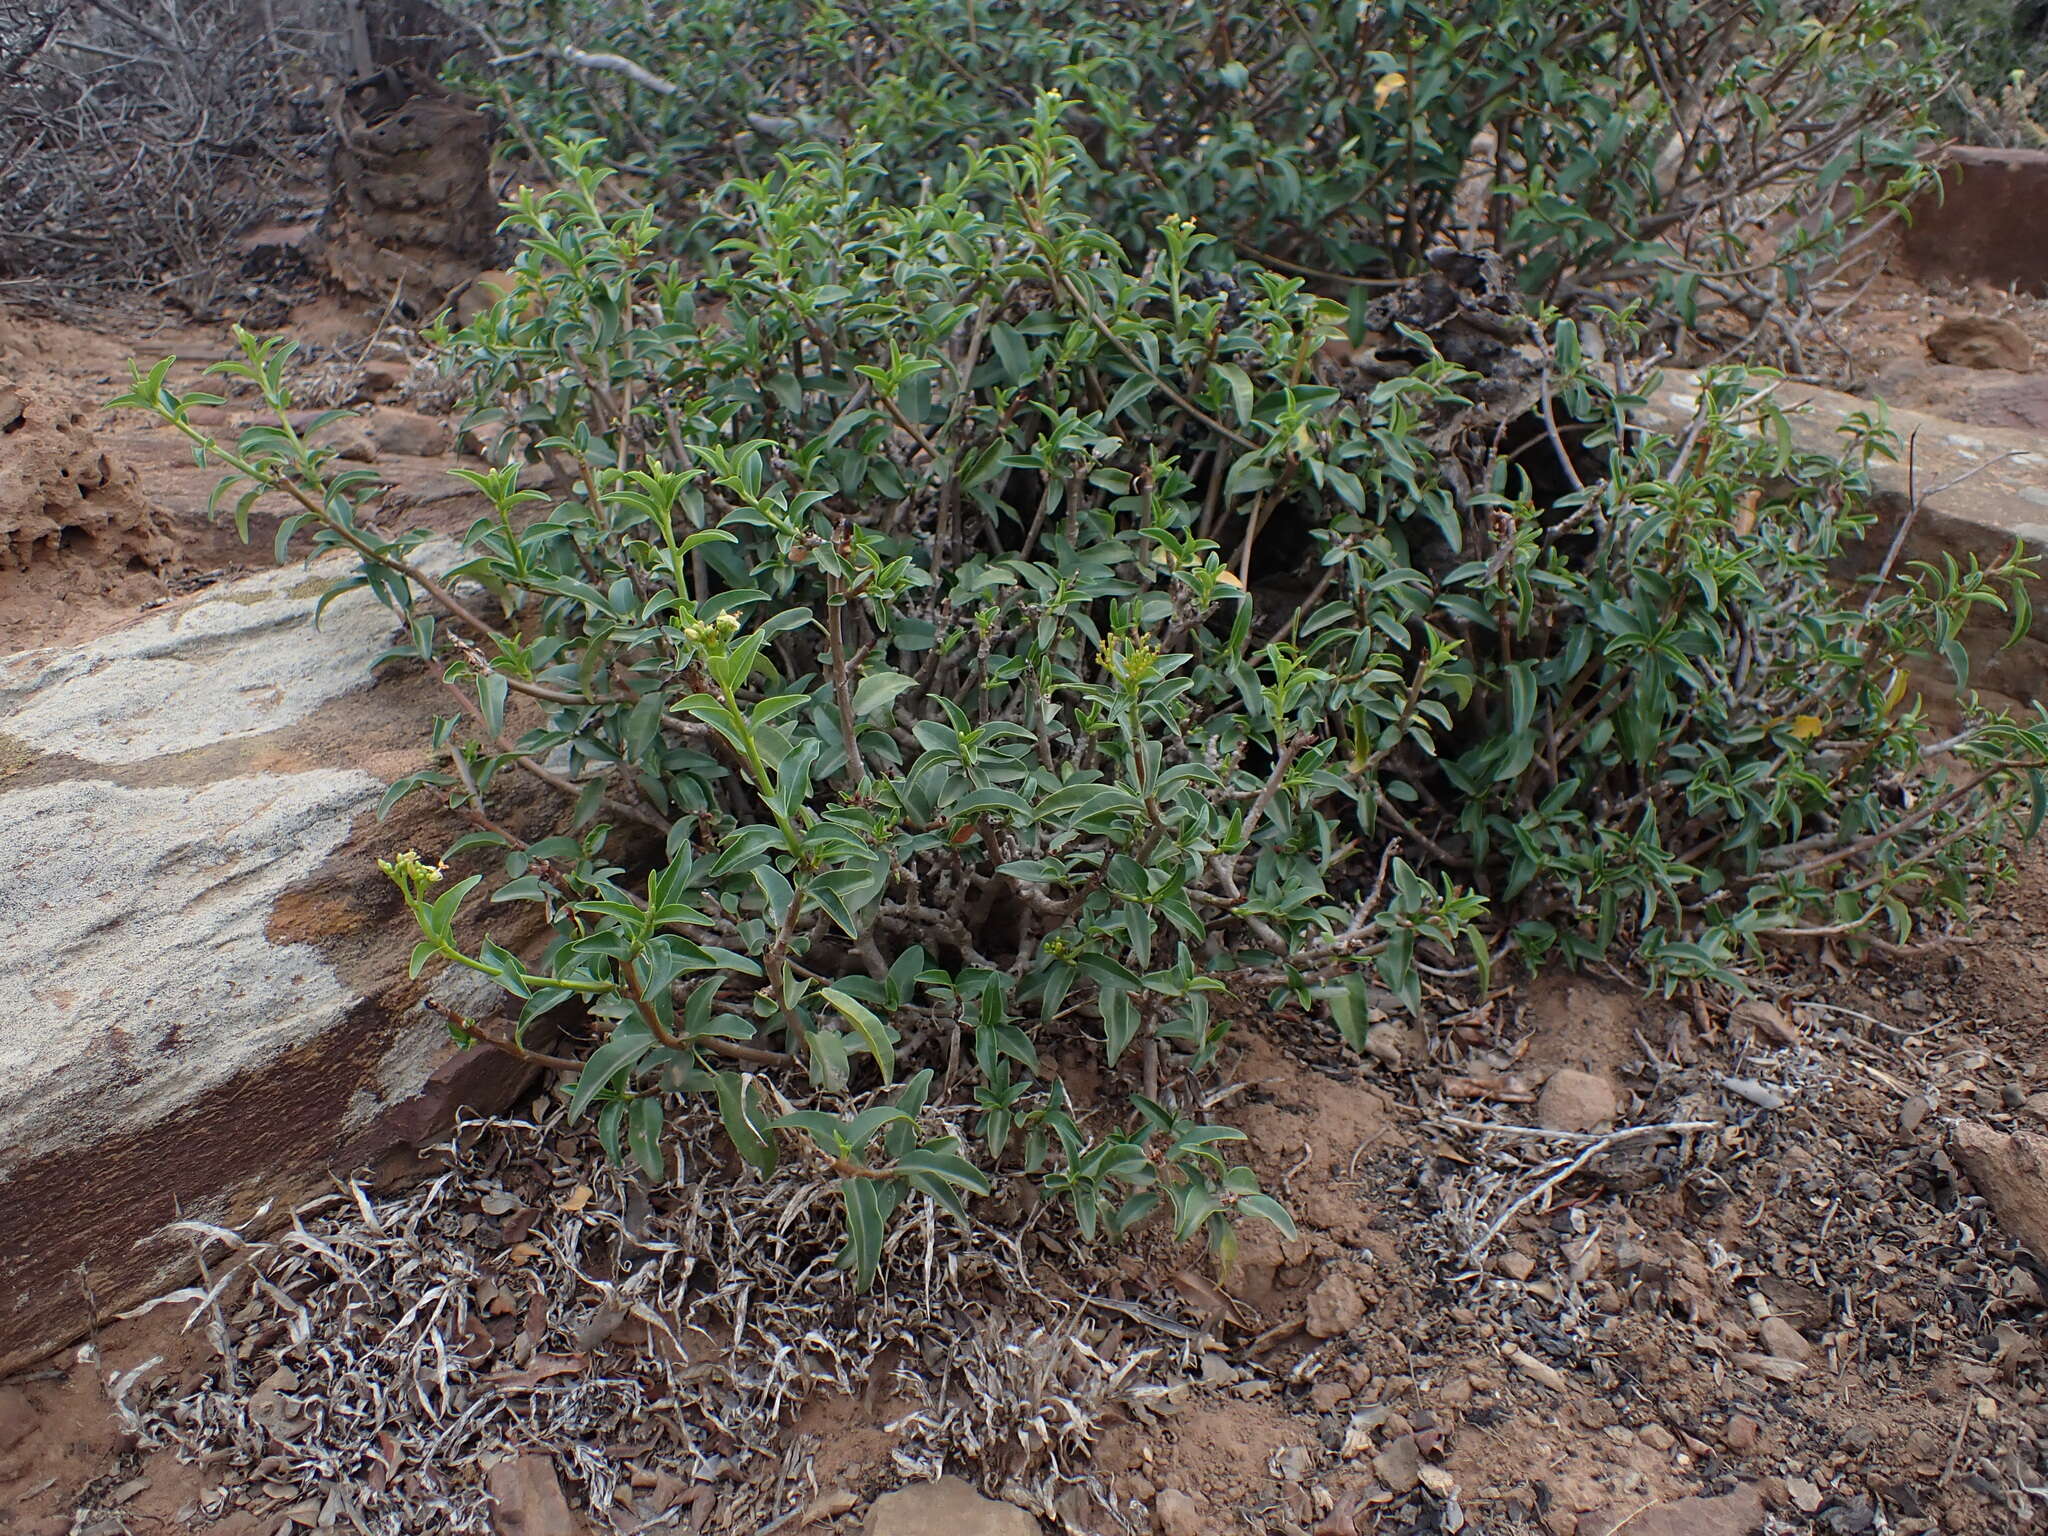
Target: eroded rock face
x,y
205,1004
59,487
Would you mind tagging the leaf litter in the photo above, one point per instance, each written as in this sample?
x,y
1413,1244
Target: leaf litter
x,y
382,1349
1487,1324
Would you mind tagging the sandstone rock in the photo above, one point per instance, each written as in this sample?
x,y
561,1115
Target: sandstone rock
x,y
947,1507
382,376
1334,1307
412,208
527,1499
349,436
60,489
242,660
1329,1396
1972,341
1741,1433
2011,1172
206,991
1780,1338
1576,1101
1804,1306
1394,1044
17,1417
1765,1020
1986,222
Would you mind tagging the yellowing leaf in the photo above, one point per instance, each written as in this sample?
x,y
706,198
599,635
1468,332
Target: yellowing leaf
x,y
1895,690
1387,86
1806,727
1229,579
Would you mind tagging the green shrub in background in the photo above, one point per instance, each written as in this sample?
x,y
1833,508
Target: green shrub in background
x,y
1997,54
958,646
1717,158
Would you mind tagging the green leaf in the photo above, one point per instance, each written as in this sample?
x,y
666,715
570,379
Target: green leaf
x,y
608,1064
1120,1021
643,1127
878,690
1241,391
738,1108
1268,1209
873,1032
866,1228
949,1167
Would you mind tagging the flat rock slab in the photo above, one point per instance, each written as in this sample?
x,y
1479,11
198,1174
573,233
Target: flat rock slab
x,y
1980,490
205,1009
241,660
137,913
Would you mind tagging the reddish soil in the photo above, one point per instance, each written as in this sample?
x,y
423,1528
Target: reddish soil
x,y
66,575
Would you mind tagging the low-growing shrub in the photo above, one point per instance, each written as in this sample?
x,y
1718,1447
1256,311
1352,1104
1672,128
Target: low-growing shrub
x,y
1719,159
958,647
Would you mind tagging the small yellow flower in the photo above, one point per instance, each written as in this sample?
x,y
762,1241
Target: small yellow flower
x,y
1807,727
410,866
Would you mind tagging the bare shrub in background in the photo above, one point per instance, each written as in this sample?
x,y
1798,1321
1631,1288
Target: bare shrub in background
x,y
138,137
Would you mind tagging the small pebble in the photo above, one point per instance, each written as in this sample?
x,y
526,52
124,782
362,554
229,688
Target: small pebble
x,y
1399,1464
1576,1101
1175,1514
1783,1340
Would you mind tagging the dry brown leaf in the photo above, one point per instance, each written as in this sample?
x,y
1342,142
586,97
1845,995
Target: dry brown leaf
x,y
829,1505
1745,513
543,1368
1203,1298
1511,1089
